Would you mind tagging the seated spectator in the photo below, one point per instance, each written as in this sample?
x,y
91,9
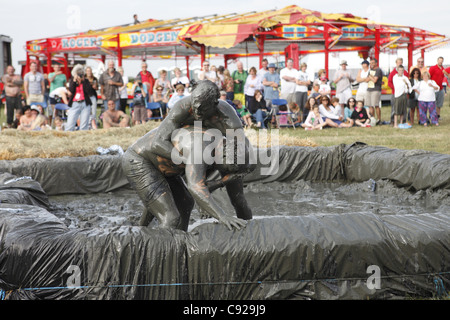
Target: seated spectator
x,y
330,115
336,103
16,122
349,108
158,96
244,113
40,123
42,113
179,78
259,109
139,102
179,94
360,116
59,124
283,115
27,119
115,118
295,113
314,121
163,82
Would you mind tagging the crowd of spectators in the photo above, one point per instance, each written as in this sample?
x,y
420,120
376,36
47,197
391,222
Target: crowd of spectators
x,y
269,96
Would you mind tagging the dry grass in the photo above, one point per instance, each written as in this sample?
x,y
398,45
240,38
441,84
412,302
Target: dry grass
x,y
16,144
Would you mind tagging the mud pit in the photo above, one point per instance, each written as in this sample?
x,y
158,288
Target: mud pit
x,y
123,207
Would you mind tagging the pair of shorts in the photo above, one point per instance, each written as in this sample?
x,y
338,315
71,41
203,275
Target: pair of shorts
x,y
440,98
344,96
372,98
400,104
338,122
361,96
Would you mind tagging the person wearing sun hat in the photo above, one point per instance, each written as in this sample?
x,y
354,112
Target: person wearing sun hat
x,y
343,80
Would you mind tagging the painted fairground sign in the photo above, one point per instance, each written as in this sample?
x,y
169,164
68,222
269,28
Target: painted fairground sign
x,y
296,32
353,32
164,37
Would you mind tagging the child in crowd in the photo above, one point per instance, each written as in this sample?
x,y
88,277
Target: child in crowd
x,y
314,120
324,88
360,116
295,113
59,124
244,113
349,108
139,102
282,116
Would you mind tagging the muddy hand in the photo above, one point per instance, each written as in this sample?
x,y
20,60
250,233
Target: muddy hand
x,y
233,223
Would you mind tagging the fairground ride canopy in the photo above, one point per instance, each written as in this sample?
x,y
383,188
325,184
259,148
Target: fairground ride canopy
x,y
291,31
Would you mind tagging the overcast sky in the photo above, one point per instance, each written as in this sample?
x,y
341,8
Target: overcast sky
x,y
33,19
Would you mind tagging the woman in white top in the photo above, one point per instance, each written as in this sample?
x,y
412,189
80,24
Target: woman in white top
x,y
427,89
252,84
331,115
362,81
179,78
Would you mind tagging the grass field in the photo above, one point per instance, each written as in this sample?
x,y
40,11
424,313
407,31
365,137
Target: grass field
x,y
52,144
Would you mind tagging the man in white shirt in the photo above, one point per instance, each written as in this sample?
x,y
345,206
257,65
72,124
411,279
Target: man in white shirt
x,y
402,87
362,79
301,90
207,74
288,77
261,72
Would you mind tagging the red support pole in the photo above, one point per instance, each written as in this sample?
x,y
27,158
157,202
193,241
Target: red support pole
x,y
410,48
225,61
119,51
261,49
327,44
291,51
66,65
202,54
187,68
377,44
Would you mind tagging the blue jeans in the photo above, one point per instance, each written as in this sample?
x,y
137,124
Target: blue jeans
x,y
78,110
259,116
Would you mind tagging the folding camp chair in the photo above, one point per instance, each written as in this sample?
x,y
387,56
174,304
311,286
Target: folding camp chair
x,y
155,106
278,115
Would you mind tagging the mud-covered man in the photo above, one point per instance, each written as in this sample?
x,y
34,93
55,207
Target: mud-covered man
x,y
151,170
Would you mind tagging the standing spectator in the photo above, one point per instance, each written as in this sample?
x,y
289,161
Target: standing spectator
x,y
373,94
271,83
217,82
343,80
136,20
239,76
324,88
80,103
93,96
110,82
413,103
57,80
164,83
264,68
427,89
146,78
207,74
252,83
34,85
221,77
12,86
123,91
420,65
437,73
288,77
301,90
179,78
362,79
228,84
398,62
402,88
139,102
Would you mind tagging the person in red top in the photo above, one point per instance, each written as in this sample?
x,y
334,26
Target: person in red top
x,y
79,102
146,78
437,74
398,63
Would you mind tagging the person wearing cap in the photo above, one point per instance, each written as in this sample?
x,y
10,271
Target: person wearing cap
x,y
271,83
343,80
362,80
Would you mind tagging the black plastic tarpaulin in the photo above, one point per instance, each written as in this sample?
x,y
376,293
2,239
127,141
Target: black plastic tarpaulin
x,y
353,255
